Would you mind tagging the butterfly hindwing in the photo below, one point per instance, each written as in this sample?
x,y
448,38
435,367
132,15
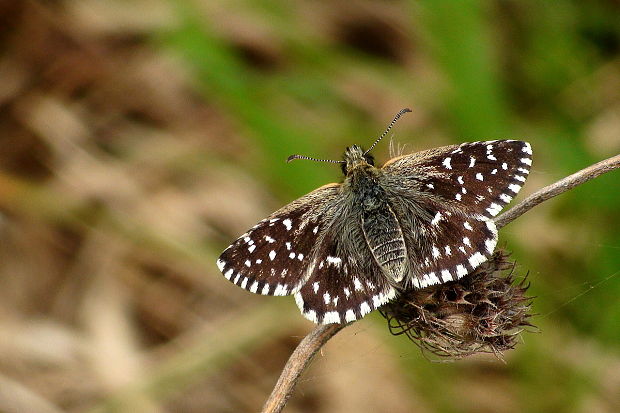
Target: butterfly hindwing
x,y
272,258
454,245
343,285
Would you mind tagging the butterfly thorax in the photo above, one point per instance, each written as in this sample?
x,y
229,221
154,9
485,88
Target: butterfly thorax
x,y
380,226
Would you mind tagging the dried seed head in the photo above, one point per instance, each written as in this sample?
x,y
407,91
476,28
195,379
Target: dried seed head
x,y
482,313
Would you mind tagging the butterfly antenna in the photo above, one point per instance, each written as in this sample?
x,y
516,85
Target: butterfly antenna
x,y
398,115
293,157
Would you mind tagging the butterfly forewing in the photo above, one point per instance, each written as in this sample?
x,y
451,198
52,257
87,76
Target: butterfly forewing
x,y
479,177
272,258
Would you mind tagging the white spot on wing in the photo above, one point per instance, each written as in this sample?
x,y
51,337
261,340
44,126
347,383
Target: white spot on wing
x,y
357,284
248,263
334,260
479,177
526,161
281,289
251,248
476,259
514,188
265,290
229,273
505,198
466,242
436,219
331,317
472,161
519,178
349,316
364,308
461,271
220,264
468,226
254,287
446,163
490,245
446,276
494,209
327,298
272,255
288,224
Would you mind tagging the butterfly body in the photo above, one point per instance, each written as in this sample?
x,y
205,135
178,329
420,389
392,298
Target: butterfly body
x,y
346,249
380,226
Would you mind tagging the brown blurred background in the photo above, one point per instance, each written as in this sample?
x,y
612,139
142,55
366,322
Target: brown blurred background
x,y
138,138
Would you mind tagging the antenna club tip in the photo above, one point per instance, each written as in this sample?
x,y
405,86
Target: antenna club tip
x,y
291,158
406,110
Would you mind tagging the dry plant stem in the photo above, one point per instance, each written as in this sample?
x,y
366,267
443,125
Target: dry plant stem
x,y
297,363
308,347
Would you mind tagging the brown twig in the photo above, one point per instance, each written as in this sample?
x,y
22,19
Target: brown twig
x,y
297,363
308,347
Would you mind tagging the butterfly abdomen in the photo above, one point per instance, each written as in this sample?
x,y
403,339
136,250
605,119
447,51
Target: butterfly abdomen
x,y
380,226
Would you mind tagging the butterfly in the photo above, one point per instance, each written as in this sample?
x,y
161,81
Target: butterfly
x,y
422,219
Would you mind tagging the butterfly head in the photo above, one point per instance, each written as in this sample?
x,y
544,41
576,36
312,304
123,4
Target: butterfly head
x,y
355,157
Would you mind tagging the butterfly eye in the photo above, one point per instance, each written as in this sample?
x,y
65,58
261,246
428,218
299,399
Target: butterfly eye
x,y
370,159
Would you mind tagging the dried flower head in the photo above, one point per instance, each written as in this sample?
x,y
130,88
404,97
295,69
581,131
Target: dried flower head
x,y
484,312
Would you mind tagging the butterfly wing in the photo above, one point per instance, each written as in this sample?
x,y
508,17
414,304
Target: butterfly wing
x,y
306,249
446,198
344,282
273,257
